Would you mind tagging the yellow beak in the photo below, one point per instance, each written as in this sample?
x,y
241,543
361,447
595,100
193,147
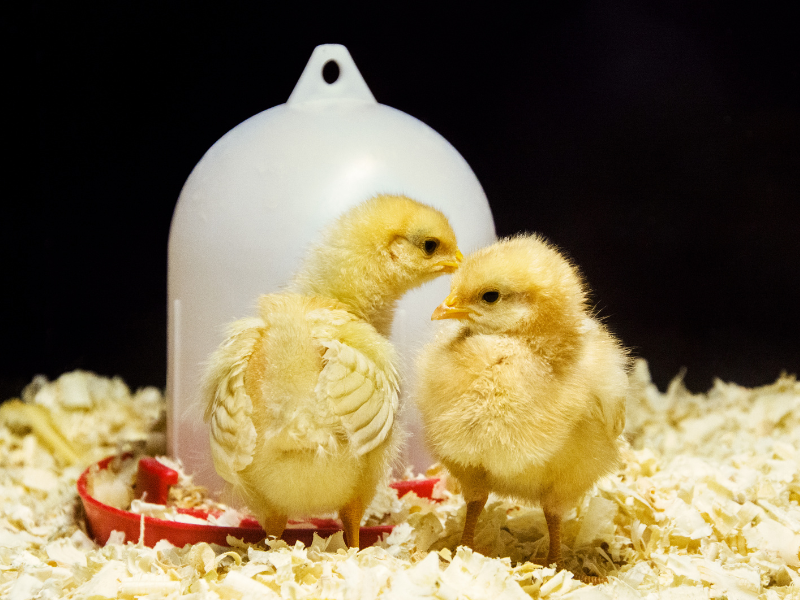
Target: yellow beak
x,y
449,266
450,310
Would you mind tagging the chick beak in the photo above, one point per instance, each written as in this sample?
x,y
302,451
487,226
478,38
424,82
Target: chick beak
x,y
449,266
449,309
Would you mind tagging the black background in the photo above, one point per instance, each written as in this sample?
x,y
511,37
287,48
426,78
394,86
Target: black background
x,y
658,144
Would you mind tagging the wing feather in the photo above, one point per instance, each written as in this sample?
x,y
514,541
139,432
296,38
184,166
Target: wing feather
x,y
229,409
374,431
347,389
616,422
364,397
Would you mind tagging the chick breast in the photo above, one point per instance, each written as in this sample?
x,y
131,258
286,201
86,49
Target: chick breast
x,y
489,402
482,410
301,402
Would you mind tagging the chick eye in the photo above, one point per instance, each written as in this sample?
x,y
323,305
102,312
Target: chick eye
x,y
430,246
491,297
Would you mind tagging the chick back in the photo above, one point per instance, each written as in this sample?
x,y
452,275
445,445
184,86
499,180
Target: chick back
x,y
266,377
282,376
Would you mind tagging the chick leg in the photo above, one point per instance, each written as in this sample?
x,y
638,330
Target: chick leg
x,y
554,530
274,524
474,509
351,514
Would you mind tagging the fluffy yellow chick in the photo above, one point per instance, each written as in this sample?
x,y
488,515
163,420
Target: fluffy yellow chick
x,y
526,396
301,399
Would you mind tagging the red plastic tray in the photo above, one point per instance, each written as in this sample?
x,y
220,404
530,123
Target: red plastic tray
x,y
155,478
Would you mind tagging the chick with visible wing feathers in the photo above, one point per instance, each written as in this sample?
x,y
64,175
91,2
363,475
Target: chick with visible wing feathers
x,y
525,397
301,399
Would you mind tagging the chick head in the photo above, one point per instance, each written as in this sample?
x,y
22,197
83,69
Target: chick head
x,y
376,252
404,238
520,284
417,238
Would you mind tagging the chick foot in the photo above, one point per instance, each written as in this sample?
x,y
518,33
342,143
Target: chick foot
x,y
588,579
554,555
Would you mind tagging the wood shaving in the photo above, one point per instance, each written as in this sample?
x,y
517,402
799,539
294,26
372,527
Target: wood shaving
x,y
705,506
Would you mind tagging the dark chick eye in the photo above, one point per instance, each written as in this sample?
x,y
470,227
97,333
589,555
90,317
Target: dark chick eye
x,y
430,246
491,297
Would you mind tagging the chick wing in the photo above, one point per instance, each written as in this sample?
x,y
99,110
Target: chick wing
x,y
603,369
362,396
229,408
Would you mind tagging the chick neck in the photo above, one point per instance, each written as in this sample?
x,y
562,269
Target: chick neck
x,y
549,331
369,288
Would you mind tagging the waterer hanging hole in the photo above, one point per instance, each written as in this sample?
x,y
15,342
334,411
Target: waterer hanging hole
x,y
330,71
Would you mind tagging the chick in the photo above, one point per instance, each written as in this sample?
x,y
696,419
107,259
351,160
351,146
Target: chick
x,y
301,399
526,396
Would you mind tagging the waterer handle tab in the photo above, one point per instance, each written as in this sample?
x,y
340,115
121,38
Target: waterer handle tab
x,y
348,86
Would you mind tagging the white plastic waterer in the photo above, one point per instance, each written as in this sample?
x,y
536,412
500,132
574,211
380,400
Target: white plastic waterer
x,y
260,196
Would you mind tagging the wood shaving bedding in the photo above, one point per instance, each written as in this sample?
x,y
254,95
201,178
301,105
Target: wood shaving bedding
x,y
705,506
